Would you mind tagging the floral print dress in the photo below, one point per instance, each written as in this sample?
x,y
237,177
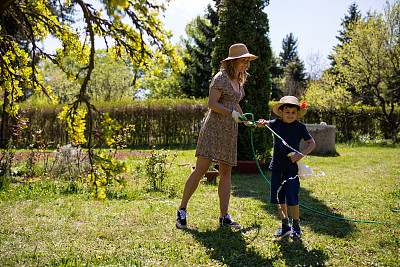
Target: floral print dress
x,y
218,134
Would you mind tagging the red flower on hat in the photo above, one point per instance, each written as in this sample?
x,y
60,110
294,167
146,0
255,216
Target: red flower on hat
x,y
303,105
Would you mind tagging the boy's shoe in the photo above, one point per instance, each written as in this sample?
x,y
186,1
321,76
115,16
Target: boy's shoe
x,y
295,232
181,219
228,222
283,231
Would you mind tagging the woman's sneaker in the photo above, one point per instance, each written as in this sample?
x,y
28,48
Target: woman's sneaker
x,y
227,221
283,231
181,219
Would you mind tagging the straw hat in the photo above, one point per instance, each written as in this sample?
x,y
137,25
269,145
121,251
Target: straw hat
x,y
239,51
293,101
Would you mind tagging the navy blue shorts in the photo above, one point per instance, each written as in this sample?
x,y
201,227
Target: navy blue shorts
x,y
288,188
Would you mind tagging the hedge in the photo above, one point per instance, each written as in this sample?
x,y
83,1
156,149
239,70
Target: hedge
x,y
179,122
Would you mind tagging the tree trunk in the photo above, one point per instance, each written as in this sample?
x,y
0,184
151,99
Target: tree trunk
x,y
4,122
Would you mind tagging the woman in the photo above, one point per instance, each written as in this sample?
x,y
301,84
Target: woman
x,y
218,135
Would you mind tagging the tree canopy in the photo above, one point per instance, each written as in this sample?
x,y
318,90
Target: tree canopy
x,y
370,61
294,69
198,47
130,28
142,39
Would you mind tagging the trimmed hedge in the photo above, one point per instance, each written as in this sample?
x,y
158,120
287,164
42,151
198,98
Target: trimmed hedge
x,y
178,122
156,123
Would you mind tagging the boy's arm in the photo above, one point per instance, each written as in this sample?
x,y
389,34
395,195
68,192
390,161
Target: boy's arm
x,y
310,146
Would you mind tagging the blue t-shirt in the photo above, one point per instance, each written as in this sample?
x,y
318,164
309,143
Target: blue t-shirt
x,y
292,133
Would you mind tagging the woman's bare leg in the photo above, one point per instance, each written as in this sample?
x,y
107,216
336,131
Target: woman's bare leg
x,y
224,187
193,180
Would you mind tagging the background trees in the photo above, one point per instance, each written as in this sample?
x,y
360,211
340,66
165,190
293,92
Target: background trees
x,y
294,69
243,21
370,61
143,40
198,47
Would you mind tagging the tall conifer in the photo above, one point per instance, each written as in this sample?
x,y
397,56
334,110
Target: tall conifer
x,y
195,80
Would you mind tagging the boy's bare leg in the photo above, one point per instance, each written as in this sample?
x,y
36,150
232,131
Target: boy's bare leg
x,y
282,208
295,212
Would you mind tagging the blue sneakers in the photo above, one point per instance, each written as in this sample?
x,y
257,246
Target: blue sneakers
x,y
295,232
283,231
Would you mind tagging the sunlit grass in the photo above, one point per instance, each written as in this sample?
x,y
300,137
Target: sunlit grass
x,y
56,223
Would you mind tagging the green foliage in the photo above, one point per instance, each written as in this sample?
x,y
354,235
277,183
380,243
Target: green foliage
x,y
143,41
369,61
74,230
165,121
161,82
157,166
244,21
277,72
289,50
76,124
293,67
111,78
327,94
195,80
106,169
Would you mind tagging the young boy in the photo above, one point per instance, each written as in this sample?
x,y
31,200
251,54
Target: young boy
x,y
284,168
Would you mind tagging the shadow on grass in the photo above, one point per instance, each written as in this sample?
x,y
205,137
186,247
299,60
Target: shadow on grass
x,y
296,253
229,246
256,187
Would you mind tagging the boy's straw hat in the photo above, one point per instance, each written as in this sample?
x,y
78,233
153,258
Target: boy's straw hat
x,y
239,51
293,101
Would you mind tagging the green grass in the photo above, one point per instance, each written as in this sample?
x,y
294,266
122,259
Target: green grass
x,y
57,224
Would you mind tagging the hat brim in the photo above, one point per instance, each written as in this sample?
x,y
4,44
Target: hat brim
x,y
248,55
300,114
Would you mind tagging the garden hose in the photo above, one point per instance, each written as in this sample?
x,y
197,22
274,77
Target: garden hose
x,y
310,209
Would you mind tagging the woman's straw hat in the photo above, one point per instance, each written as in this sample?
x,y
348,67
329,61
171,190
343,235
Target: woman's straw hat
x,y
293,101
239,51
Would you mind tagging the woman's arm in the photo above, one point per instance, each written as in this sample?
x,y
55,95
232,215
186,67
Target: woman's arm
x,y
213,103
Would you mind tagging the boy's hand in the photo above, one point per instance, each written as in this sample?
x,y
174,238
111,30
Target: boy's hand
x,y
262,122
296,157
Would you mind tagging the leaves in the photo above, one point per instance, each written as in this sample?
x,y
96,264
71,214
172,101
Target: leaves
x,y
369,61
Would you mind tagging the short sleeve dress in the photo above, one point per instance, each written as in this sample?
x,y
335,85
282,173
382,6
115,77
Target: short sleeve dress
x,y
218,134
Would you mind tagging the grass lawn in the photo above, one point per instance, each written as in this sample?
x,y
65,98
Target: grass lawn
x,y
50,223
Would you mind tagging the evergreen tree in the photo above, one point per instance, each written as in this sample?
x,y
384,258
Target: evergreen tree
x,y
276,78
351,18
347,23
289,47
195,80
243,21
294,69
